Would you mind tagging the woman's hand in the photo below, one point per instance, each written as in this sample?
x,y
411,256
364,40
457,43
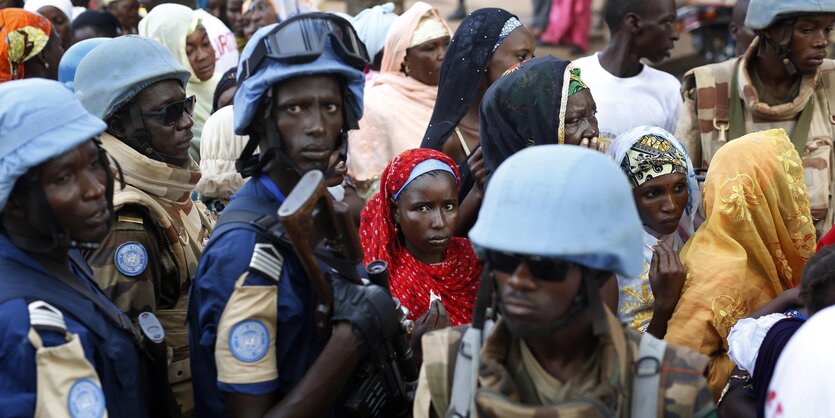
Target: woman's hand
x,y
476,164
433,319
666,276
595,144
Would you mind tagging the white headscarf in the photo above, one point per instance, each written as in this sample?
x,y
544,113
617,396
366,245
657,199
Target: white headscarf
x,y
219,149
65,6
373,25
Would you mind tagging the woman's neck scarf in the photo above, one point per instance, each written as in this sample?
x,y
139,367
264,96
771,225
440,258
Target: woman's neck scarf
x,y
755,241
644,153
526,107
23,35
455,279
465,64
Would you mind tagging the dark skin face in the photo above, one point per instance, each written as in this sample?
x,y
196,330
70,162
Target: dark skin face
x,y
741,33
427,212
580,119
424,61
74,184
216,8
169,140
309,121
201,55
260,14
235,17
519,46
808,43
45,64
661,202
5,4
656,32
60,24
127,11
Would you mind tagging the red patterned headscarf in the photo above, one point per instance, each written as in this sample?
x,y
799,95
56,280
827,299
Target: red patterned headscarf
x,y
455,279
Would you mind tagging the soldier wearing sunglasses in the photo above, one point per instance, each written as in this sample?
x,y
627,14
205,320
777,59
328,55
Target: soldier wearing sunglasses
x,y
146,262
255,348
556,349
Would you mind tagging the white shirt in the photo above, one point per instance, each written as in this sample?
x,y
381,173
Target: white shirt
x,y
223,41
803,383
651,98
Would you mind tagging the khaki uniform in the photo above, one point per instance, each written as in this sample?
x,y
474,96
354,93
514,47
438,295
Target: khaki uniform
x,y
708,120
147,260
512,383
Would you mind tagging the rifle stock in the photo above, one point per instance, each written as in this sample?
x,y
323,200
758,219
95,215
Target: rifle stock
x,y
309,216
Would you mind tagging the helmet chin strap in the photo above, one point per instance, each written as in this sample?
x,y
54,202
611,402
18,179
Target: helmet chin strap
x,y
250,164
783,48
140,140
57,236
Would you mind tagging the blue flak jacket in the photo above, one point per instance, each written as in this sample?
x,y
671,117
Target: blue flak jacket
x,y
110,350
224,259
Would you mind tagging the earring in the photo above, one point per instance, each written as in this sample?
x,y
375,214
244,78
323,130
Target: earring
x,y
406,70
46,64
396,227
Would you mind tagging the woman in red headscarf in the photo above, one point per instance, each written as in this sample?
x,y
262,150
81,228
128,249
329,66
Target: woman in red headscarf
x,y
409,224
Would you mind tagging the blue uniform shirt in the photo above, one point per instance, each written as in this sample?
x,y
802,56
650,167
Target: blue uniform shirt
x,y
225,258
114,357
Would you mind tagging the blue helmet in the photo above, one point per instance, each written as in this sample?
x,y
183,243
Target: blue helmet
x,y
764,13
255,83
73,56
35,130
559,201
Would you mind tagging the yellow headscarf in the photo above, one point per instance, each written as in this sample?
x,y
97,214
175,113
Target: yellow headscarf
x,y
756,238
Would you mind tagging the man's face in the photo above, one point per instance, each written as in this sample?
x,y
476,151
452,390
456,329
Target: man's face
x,y
75,185
127,11
657,34
534,302
308,114
809,41
170,140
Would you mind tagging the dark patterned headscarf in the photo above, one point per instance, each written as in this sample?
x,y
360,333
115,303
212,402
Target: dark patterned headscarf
x,y
526,107
465,64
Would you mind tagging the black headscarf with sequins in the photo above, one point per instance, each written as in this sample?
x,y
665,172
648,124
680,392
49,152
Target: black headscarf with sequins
x,y
465,64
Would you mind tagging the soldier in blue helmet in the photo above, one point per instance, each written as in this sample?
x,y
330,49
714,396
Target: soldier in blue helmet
x,y
254,346
72,57
65,349
784,80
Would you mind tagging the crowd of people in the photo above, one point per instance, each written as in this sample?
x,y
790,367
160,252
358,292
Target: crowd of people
x,y
257,209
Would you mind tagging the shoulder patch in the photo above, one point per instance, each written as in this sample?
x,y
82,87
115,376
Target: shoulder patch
x,y
249,340
86,400
131,259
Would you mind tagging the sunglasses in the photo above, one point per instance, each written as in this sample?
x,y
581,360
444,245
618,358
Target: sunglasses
x,y
172,113
543,268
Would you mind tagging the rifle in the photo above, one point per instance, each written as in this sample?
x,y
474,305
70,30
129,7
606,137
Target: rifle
x,y
387,376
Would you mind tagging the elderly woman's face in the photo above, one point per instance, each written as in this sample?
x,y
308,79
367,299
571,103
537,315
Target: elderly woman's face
x,y
423,62
580,119
426,212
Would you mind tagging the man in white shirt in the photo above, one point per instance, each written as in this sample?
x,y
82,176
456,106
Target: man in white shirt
x,y
629,93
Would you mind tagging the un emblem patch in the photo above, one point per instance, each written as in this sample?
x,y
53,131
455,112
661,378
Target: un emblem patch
x,y
86,399
131,259
249,341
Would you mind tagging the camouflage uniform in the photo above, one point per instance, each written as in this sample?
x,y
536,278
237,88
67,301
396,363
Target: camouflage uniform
x,y
147,260
705,122
506,387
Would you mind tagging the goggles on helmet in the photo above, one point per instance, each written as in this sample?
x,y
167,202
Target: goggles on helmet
x,y
303,38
